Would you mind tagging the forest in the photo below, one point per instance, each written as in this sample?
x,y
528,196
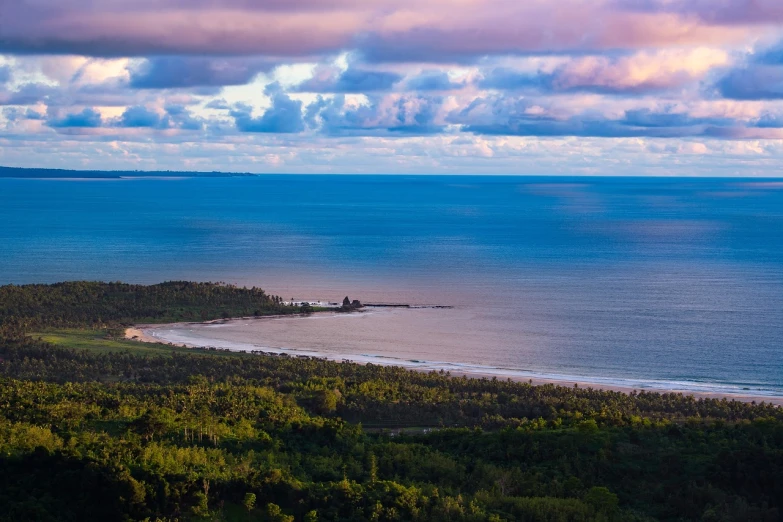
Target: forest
x,y
96,427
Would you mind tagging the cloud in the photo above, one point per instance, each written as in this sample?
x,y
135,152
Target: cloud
x,y
646,118
352,80
167,72
18,114
174,116
579,128
637,73
714,12
644,72
477,74
381,115
760,77
770,121
179,116
137,117
218,104
284,116
754,82
5,73
170,27
770,56
538,28
521,117
505,78
383,30
431,80
87,118
27,94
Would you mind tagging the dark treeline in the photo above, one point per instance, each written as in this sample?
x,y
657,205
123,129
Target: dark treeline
x,y
208,435
17,172
84,303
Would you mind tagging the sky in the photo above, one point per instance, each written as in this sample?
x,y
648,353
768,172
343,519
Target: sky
x,y
595,87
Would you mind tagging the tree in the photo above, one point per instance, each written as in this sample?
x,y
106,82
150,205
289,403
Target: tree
x,y
325,401
373,464
602,500
275,514
200,507
152,423
249,501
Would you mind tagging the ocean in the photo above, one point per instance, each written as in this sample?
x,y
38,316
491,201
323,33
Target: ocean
x,y
665,283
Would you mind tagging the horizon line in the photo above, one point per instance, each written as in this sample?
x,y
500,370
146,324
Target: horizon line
x,y
224,173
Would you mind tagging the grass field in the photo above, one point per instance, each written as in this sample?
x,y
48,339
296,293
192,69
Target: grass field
x,y
97,341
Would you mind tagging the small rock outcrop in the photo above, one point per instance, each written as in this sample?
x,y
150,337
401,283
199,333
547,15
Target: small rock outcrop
x,y
349,305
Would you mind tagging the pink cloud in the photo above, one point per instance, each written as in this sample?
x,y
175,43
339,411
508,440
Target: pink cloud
x,y
720,12
402,30
644,71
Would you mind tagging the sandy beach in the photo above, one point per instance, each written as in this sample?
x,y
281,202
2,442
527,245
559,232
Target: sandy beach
x,y
627,389
137,333
159,333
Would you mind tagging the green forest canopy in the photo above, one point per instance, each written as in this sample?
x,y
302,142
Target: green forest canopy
x,y
151,432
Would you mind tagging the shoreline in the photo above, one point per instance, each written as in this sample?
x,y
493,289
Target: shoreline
x,y
143,333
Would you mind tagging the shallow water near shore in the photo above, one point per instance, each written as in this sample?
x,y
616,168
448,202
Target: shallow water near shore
x,y
427,339
664,284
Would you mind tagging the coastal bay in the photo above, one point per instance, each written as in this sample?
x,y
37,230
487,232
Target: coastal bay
x,y
666,283
413,339
298,432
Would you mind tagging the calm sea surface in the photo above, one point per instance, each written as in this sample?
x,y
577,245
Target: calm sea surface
x,y
659,283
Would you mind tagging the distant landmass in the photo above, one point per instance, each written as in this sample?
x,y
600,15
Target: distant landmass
x,y
15,172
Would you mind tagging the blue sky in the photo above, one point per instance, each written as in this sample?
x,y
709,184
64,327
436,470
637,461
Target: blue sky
x,y
612,87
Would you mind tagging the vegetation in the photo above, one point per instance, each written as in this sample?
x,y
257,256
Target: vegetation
x,y
93,427
16,172
85,303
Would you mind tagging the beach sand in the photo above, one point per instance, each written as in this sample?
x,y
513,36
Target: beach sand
x,y
138,333
627,389
144,333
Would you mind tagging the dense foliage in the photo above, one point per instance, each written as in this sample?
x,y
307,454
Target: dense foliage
x,y
83,303
211,435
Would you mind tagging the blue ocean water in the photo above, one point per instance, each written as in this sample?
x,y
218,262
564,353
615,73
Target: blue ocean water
x,y
625,279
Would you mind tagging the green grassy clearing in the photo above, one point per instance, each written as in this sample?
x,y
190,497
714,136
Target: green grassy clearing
x,y
96,341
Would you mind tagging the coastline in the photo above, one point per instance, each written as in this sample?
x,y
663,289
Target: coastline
x,y
145,333
137,333
539,381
